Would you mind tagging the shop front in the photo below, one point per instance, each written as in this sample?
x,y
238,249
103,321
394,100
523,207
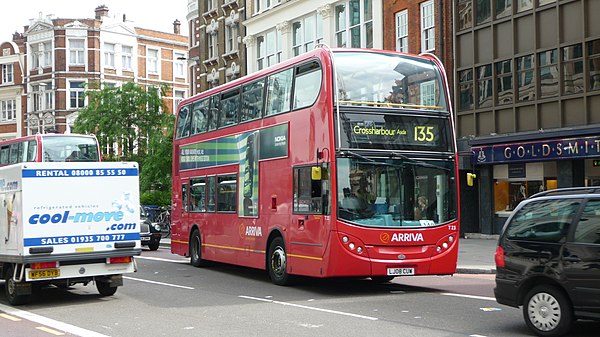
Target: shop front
x,y
514,168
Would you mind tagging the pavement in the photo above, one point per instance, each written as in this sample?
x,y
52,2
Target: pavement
x,y
475,253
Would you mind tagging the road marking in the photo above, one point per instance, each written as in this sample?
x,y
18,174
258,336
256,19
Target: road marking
x,y
159,283
162,259
75,330
471,296
50,331
10,318
310,308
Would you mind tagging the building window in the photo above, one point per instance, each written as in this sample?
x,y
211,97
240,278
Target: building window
x,y
504,82
41,54
231,36
428,93
263,5
594,64
152,61
484,11
178,66
354,23
466,90
503,8
109,55
7,73
523,5
178,96
548,73
42,96
572,61
126,55
211,45
525,78
402,31
545,2
269,49
210,5
76,52
427,27
484,86
307,33
9,110
76,92
465,14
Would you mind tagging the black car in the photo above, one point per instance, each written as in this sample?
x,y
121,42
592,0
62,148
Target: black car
x,y
149,232
548,259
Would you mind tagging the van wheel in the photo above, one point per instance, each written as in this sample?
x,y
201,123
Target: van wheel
x,y
10,289
547,311
196,250
277,263
105,289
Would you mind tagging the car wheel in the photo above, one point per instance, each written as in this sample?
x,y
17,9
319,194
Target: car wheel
x,y
547,311
105,289
277,263
196,250
154,245
10,289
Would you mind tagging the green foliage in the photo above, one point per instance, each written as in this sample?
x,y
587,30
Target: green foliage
x,y
130,122
158,198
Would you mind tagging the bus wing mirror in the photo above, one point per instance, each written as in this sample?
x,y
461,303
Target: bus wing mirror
x,y
316,173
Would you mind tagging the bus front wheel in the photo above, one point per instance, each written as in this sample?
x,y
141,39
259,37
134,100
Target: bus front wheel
x,y
277,262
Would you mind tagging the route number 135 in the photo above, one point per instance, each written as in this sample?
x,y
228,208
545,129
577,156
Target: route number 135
x,y
424,133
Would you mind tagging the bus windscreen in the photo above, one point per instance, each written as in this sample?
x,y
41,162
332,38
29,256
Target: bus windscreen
x,y
69,148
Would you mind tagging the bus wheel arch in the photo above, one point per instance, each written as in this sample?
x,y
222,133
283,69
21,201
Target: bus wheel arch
x,y
277,265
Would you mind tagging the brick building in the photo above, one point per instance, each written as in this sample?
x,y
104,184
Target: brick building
x,y
216,52
423,26
12,99
64,56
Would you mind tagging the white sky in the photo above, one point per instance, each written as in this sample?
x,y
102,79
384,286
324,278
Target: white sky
x,y
149,14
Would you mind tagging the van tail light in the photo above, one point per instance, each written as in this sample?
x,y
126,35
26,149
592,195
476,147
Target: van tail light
x,y
121,259
44,265
499,257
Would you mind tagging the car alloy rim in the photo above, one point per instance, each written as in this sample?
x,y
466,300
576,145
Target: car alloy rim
x,y
544,311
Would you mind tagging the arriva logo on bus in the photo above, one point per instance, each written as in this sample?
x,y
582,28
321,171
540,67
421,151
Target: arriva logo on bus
x,y
401,237
250,231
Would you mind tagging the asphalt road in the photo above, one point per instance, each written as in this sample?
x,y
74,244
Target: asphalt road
x,y
169,297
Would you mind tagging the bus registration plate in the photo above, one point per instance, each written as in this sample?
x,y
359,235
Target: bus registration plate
x,y
44,273
400,271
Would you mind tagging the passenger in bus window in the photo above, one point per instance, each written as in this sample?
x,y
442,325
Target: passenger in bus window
x,y
421,209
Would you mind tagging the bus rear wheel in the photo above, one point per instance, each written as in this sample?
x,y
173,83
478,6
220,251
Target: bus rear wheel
x,y
277,263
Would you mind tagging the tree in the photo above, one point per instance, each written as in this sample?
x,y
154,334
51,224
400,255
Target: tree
x,y
129,121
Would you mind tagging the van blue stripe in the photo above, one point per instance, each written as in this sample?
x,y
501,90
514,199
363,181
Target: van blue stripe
x,y
79,173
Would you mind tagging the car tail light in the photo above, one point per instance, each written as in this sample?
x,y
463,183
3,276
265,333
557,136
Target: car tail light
x,y
499,257
120,259
44,265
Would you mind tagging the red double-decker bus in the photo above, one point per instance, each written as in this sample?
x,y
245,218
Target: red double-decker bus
x,y
339,162
49,147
